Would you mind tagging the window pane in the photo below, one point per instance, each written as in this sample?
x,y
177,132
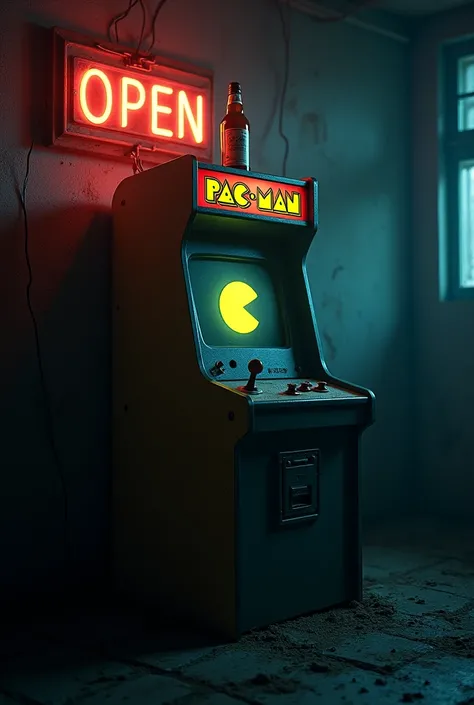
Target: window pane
x,y
466,74
466,225
466,114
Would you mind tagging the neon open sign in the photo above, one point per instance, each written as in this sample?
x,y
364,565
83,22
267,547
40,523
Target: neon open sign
x,y
103,104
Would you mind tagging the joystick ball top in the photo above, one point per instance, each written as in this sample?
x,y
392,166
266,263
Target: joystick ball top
x,y
255,367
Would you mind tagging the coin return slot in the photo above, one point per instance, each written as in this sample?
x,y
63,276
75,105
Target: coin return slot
x,y
300,497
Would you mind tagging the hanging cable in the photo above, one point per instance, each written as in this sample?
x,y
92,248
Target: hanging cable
x,y
39,358
159,7
351,9
286,71
142,33
114,22
341,16
135,154
136,159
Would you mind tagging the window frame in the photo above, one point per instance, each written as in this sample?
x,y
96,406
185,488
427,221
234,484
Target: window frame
x,y
456,147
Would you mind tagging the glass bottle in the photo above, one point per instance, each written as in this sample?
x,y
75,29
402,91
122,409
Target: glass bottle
x,y
235,131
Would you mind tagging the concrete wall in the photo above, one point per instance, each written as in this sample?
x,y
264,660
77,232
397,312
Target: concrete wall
x,y
347,121
444,329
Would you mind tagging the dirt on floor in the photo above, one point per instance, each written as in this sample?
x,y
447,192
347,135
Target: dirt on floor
x,y
302,644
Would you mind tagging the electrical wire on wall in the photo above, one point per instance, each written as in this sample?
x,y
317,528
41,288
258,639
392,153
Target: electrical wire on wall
x,y
159,8
44,388
336,10
321,14
113,24
286,71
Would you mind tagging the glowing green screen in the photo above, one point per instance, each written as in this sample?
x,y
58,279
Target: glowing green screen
x,y
236,303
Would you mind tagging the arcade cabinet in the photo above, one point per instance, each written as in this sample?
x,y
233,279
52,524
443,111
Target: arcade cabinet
x,y
236,452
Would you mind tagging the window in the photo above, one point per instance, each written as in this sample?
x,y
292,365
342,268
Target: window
x,y
457,181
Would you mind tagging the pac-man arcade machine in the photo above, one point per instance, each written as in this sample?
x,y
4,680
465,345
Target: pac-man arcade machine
x,y
236,452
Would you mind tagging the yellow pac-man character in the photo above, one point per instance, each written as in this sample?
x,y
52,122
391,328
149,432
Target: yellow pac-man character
x,y
233,299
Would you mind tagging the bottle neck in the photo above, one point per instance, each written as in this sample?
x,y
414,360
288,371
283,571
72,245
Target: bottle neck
x,y
234,103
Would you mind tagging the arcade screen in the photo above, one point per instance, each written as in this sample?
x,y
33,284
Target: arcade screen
x,y
236,303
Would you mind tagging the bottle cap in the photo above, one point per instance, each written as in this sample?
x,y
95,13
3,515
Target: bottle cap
x,y
234,87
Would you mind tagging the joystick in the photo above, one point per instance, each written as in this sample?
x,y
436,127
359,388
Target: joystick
x,y
254,367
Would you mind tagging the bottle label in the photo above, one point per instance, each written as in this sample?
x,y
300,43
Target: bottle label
x,y
236,148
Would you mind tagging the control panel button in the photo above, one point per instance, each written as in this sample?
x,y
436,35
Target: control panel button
x,y
321,387
217,369
291,390
305,387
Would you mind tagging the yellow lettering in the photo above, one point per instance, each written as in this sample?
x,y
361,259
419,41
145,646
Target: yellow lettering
x,y
264,200
156,108
293,203
225,196
240,195
195,120
279,205
212,187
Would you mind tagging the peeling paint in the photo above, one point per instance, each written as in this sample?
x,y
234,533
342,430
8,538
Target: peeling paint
x,y
330,344
314,128
336,271
90,192
334,303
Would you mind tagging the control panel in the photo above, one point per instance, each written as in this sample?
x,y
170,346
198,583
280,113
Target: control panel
x,y
283,390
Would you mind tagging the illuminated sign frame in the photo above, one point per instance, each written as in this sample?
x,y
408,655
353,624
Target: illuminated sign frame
x,y
164,94
248,194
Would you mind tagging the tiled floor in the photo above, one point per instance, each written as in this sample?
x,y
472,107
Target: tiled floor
x,y
410,640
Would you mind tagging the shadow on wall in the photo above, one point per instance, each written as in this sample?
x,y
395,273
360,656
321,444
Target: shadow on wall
x,y
390,480
70,257
37,85
390,485
362,346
